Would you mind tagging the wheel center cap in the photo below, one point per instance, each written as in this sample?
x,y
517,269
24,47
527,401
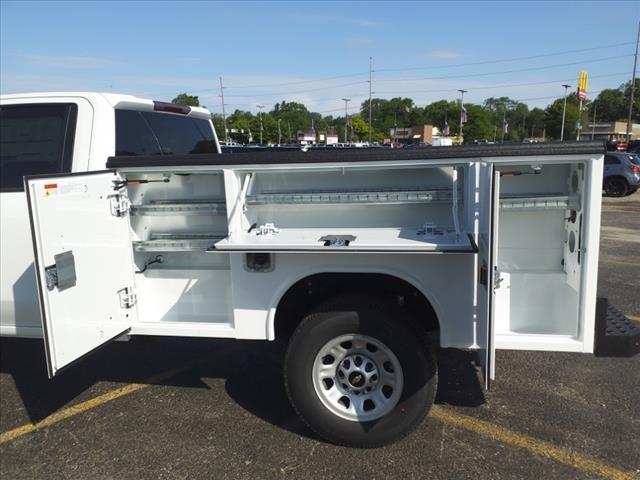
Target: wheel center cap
x,y
356,379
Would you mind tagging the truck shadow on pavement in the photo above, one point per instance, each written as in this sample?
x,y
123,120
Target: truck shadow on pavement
x,y
252,371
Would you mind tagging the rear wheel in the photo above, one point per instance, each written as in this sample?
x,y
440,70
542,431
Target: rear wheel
x,y
616,187
360,372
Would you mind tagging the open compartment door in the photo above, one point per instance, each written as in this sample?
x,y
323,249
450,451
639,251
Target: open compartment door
x,y
488,208
83,262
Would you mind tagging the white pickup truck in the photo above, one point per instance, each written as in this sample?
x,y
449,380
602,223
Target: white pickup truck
x,y
364,261
57,133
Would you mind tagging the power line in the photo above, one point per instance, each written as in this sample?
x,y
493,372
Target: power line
x,y
275,94
453,65
265,85
529,69
487,62
504,60
545,67
492,87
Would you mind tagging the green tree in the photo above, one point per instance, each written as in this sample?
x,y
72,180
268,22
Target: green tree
x,y
479,125
636,100
536,122
612,105
513,112
387,114
185,99
553,119
359,127
441,112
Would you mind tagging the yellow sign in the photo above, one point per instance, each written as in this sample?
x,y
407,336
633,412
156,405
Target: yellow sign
x,y
583,81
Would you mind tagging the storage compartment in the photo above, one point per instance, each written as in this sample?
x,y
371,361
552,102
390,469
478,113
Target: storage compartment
x,y
175,219
351,209
539,249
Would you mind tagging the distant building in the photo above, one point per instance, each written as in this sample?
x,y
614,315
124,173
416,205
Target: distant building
x,y
609,131
414,134
401,133
306,138
327,138
312,137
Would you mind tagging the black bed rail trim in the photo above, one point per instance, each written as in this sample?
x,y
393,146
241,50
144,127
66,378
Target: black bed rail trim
x,y
361,155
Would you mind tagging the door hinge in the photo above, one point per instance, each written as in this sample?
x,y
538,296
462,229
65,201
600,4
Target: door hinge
x,y
119,204
497,279
128,297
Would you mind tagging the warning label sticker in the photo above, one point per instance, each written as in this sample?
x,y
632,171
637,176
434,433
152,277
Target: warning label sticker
x,y
50,189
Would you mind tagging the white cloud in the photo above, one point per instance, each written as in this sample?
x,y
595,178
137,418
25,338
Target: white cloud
x,y
67,61
361,41
362,22
445,54
331,19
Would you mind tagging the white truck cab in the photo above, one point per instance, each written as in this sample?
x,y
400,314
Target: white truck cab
x,y
59,133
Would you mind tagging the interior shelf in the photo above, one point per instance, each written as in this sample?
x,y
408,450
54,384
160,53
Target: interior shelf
x,y
170,242
386,195
211,206
546,202
360,240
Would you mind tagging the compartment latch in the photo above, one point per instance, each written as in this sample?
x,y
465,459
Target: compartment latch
x,y
62,273
128,297
337,240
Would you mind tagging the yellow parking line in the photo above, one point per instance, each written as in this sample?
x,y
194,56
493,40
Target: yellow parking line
x,y
92,403
533,445
481,427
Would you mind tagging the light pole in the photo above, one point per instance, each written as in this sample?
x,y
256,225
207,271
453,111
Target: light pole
x,y
593,125
462,92
279,132
224,115
346,117
564,111
633,86
370,70
260,107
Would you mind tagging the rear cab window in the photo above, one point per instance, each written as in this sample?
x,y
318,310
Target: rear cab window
x,y
35,139
156,133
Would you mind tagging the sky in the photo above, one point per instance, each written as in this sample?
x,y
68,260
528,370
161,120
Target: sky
x,y
316,52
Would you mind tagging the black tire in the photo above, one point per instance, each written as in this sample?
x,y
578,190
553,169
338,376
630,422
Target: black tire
x,y
616,187
395,329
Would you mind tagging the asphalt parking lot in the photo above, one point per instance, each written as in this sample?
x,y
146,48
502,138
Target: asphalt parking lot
x,y
185,408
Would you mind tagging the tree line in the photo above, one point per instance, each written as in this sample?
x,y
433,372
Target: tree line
x,y
485,121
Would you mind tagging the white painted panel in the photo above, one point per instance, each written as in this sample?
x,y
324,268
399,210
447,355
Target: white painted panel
x,y
185,295
532,303
73,214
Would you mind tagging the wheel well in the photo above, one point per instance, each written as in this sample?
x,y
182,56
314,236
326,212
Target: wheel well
x,y
617,177
308,293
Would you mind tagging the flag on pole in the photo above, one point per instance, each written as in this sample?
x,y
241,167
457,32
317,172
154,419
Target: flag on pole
x,y
463,115
446,129
505,127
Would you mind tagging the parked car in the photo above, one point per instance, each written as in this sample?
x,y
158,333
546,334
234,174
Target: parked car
x,y
616,146
621,173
